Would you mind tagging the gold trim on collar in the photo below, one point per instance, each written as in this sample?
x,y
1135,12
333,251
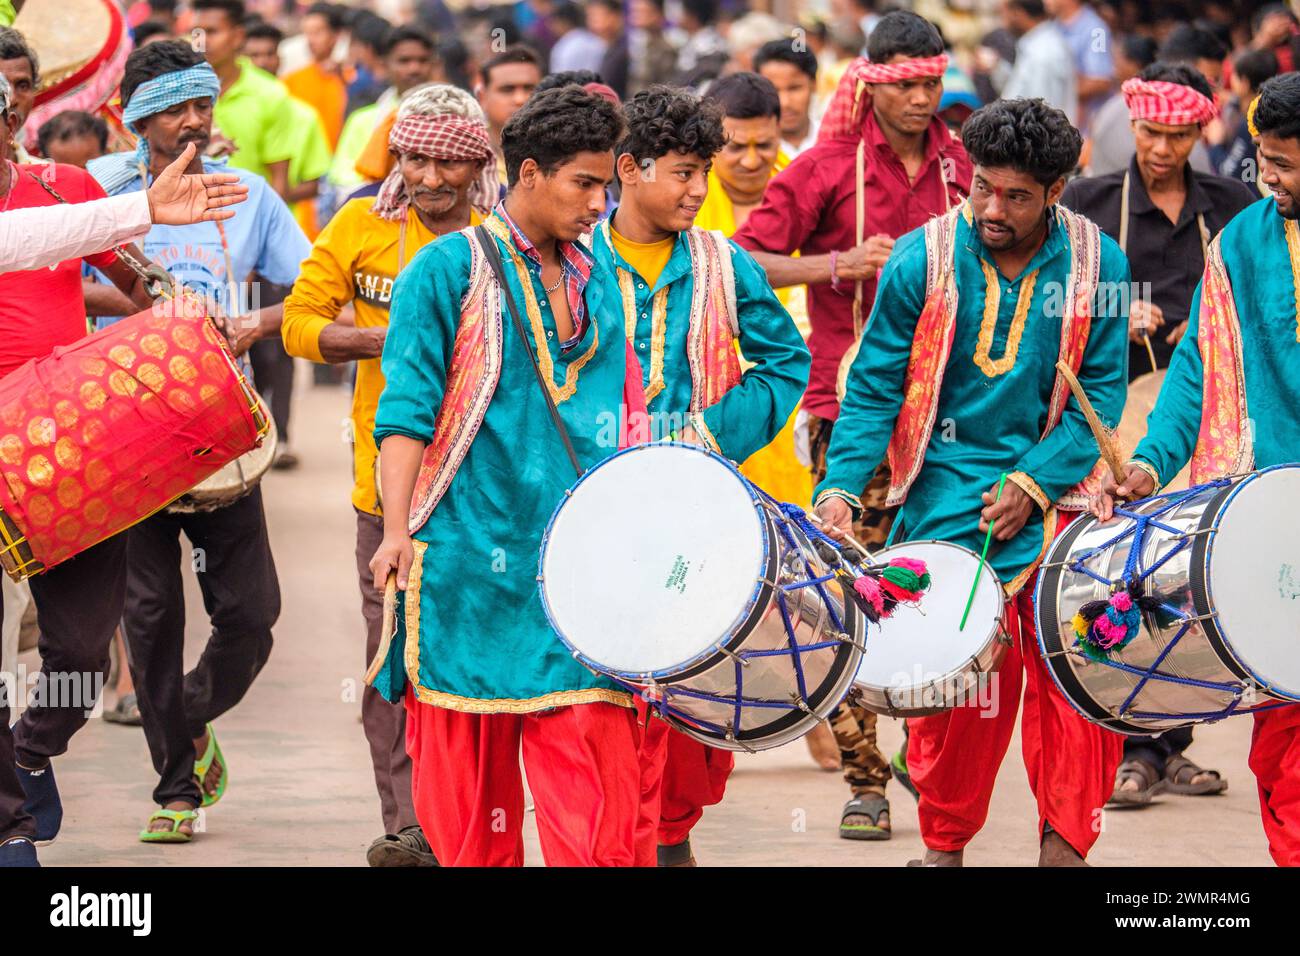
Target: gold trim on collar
x,y
1292,229
658,327
992,302
558,393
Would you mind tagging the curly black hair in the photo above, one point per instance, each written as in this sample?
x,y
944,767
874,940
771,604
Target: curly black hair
x,y
568,78
1027,135
155,59
1179,73
663,119
1277,112
556,125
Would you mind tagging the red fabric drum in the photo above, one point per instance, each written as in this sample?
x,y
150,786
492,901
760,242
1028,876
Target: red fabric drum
x,y
97,436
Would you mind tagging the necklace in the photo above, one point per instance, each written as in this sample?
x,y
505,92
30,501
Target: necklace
x,y
550,289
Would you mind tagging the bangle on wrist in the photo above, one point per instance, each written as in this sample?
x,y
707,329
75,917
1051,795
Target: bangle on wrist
x,y
835,279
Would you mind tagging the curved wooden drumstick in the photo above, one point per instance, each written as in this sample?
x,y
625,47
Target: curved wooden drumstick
x,y
1105,441
387,629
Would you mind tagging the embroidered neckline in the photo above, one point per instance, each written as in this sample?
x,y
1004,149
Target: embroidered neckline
x,y
992,303
559,393
658,328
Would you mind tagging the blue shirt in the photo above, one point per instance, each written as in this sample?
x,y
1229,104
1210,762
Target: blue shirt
x,y
263,237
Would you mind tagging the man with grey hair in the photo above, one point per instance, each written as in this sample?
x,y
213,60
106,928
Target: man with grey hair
x,y
443,182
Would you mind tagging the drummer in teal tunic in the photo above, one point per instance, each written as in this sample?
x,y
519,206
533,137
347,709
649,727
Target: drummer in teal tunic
x,y
1228,404
956,377
689,297
467,439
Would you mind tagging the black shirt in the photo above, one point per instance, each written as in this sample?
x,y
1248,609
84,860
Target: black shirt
x,y
1166,255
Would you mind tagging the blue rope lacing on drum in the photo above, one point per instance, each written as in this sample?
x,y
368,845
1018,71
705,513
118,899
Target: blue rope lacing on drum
x,y
1142,522
789,514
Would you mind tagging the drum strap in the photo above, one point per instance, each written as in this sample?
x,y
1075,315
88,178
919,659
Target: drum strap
x,y
493,256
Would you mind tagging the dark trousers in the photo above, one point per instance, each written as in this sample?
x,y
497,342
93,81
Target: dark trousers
x,y
231,558
78,605
384,723
273,374
1158,749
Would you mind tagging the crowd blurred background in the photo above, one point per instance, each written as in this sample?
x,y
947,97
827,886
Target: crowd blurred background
x,y
341,68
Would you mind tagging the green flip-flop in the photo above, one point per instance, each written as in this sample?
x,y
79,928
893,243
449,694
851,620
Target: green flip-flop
x,y
175,834
202,765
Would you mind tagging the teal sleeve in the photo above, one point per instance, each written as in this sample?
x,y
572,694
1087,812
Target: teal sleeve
x,y
1175,422
751,414
422,325
874,391
1069,452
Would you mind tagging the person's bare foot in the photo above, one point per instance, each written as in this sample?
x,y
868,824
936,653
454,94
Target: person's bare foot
x,y
939,858
1056,852
165,826
822,746
212,779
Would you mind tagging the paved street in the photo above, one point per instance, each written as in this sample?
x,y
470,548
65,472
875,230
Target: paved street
x,y
301,790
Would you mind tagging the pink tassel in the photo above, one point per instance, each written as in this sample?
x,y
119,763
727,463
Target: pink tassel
x,y
869,588
911,564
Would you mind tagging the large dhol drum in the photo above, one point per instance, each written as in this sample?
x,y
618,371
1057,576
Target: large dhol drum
x,y
664,568
99,435
1216,571
924,662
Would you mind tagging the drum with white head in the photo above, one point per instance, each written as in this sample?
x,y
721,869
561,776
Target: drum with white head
x,y
664,568
925,662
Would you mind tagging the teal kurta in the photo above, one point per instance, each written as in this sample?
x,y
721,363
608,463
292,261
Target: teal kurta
x,y
480,641
1265,277
985,423
753,412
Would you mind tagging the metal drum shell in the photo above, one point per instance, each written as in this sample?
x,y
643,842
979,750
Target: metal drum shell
x,y
1098,691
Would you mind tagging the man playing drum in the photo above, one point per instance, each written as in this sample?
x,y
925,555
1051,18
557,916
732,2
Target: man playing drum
x,y
440,141
1163,214
678,285
957,378
1245,315
79,602
474,461
167,95
883,164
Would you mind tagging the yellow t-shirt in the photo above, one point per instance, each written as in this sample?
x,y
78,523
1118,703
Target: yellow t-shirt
x,y
354,259
647,258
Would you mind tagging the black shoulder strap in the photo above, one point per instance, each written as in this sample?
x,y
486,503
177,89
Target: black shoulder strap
x,y
489,245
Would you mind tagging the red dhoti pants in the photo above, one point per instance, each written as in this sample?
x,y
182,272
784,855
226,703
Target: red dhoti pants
x,y
1275,762
583,771
679,778
953,757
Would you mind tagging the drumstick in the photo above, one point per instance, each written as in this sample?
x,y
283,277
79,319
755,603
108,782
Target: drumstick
x,y
1146,340
387,628
1104,440
822,523
979,572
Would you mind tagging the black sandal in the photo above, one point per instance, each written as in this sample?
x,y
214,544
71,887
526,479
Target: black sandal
x,y
1149,784
873,807
1179,772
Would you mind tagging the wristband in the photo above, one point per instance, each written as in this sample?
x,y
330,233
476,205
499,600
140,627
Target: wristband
x,y
835,279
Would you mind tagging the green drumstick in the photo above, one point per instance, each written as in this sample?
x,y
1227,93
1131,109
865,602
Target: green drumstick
x,y
979,572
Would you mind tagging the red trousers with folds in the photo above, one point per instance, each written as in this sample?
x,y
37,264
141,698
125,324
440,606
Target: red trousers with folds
x,y
953,757
679,778
1275,762
583,770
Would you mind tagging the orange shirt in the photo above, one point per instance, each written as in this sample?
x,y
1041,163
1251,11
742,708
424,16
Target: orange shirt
x,y
326,92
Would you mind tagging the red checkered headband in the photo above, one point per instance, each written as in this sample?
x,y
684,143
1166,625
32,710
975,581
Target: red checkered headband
x,y
848,107
445,136
1173,104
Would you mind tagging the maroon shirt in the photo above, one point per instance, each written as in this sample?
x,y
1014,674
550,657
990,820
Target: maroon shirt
x,y
809,207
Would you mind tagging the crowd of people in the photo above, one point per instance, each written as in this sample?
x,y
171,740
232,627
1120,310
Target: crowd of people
x,y
594,165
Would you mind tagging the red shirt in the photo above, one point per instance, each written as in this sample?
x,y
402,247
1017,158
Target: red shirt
x,y
809,207
44,308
